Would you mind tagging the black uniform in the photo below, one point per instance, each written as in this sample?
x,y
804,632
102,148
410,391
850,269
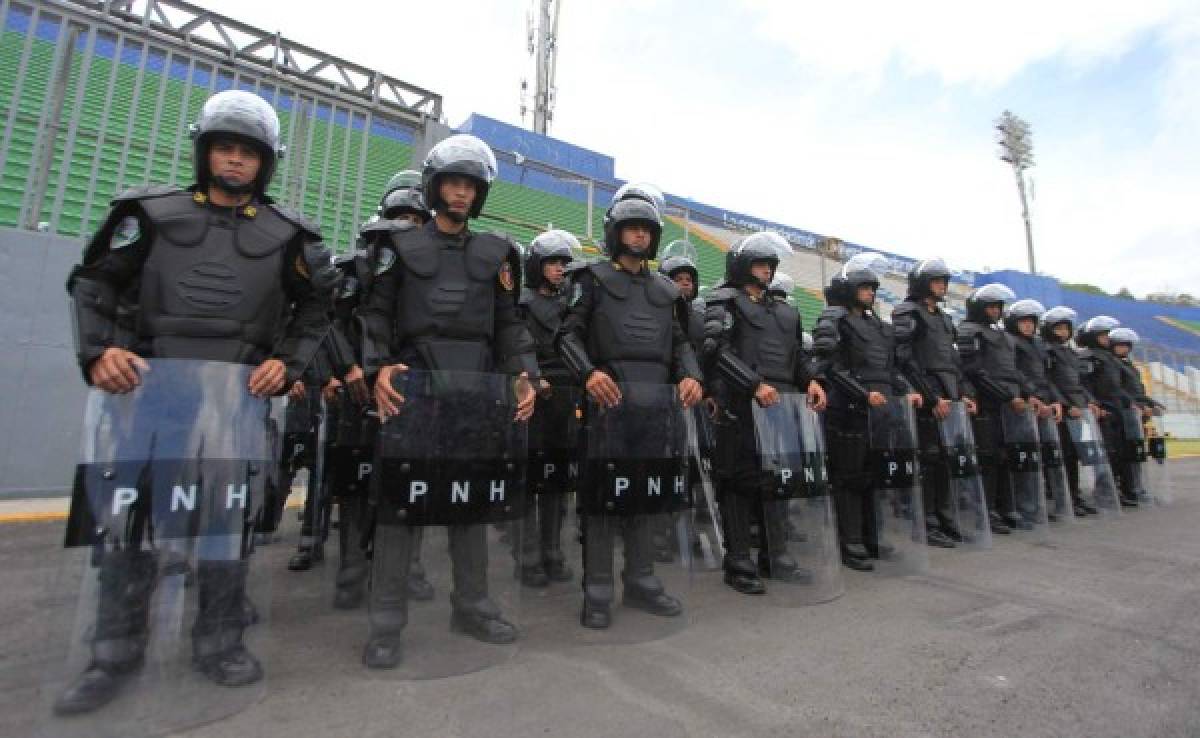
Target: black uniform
x,y
856,351
1110,383
989,358
1063,371
234,284
447,302
629,326
552,428
750,341
928,357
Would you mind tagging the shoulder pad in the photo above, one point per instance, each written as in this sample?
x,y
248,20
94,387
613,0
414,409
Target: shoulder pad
x,y
663,282
298,219
387,226
832,313
722,294
615,282
146,192
904,308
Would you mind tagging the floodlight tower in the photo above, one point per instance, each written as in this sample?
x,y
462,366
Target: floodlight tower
x,y
541,43
1016,147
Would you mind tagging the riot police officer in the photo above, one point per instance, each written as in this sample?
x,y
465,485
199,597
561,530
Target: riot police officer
x,y
1063,369
927,355
753,352
856,352
989,360
542,304
1021,321
219,272
401,208
443,298
623,325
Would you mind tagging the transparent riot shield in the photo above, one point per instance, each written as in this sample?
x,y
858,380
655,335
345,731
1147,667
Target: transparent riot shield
x,y
967,499
1059,509
275,487
450,465
350,462
894,518
1025,506
1158,470
634,481
1134,453
156,621
707,537
798,531
1097,487
538,548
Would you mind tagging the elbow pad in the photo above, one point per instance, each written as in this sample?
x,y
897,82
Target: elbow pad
x,y
849,385
734,371
94,305
575,356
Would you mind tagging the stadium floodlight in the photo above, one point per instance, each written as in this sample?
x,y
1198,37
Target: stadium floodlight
x,y
1016,147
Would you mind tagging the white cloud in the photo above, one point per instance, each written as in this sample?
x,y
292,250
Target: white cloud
x,y
776,109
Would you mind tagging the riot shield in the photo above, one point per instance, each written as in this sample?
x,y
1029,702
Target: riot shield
x,y
158,587
538,547
634,482
1097,487
1158,470
894,519
707,538
1060,509
349,465
314,517
1134,453
1026,503
967,499
276,491
449,465
798,528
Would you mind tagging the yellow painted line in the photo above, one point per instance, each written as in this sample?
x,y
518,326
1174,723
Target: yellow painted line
x,y
50,516
34,517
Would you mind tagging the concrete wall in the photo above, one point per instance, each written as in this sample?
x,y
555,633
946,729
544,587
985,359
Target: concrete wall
x,y
43,393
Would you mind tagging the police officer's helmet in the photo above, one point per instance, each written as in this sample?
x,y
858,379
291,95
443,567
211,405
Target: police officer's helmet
x,y
1054,316
459,154
242,116
1092,328
765,246
548,246
636,191
861,269
1123,335
680,256
630,212
1026,308
923,273
989,294
782,286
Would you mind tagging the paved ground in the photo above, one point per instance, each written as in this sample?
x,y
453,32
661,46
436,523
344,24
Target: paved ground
x,y
1095,634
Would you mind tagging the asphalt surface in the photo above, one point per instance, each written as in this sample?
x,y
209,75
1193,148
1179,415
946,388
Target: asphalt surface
x,y
1094,633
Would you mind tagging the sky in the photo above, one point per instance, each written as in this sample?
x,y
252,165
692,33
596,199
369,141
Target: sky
x,y
870,121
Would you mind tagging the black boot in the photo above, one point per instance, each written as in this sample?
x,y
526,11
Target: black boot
x,y
303,559
997,524
100,683
557,569
855,556
938,539
783,568
217,649
482,621
742,577
651,599
1085,507
595,615
949,528
383,652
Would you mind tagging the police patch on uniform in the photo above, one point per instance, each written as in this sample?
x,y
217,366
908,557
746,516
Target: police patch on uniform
x,y
384,260
128,231
506,277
